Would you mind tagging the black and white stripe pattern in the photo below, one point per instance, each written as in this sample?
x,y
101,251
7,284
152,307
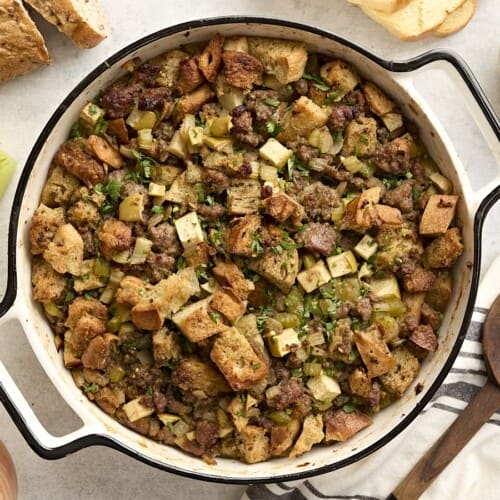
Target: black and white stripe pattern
x,y
464,380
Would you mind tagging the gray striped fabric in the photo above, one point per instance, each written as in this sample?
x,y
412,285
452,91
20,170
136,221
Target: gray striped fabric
x,y
467,477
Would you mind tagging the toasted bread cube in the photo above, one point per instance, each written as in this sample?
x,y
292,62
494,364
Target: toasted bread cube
x,y
198,321
312,433
253,444
389,216
373,350
193,374
438,214
189,230
385,288
243,196
284,59
225,301
377,101
302,119
340,76
44,224
104,151
238,362
314,277
236,43
342,264
366,247
192,103
359,383
283,436
341,426
48,285
241,234
65,252
229,274
323,387
147,316
360,138
281,207
135,410
165,346
360,212
91,114
281,344
397,379
444,250
275,153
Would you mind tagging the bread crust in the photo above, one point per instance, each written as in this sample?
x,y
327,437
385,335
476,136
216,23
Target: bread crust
x,y
22,48
83,22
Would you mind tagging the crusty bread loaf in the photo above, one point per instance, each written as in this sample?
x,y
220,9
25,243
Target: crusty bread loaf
x,y
457,19
21,45
381,5
415,19
82,20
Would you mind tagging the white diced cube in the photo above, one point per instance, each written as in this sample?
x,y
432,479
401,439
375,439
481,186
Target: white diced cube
x,y
342,264
274,152
189,230
314,277
323,387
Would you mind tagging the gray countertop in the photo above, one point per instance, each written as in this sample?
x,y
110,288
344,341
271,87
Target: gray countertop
x,y
28,102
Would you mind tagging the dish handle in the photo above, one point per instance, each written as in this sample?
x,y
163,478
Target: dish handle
x,y
41,441
476,101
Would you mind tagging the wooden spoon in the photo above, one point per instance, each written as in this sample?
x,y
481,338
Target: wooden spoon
x,y
8,479
477,412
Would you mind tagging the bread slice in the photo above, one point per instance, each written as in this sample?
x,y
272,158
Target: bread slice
x,y
21,45
415,19
457,19
381,5
82,20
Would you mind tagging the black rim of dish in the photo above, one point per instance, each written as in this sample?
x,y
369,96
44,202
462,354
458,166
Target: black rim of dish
x,y
393,66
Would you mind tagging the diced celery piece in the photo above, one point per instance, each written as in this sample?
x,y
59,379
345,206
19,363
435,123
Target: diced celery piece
x,y
217,143
392,121
365,271
342,264
353,164
131,208
141,250
282,344
308,261
389,326
52,310
366,247
101,268
312,369
338,213
347,288
394,307
385,288
140,119
156,189
314,277
221,126
274,152
323,387
443,184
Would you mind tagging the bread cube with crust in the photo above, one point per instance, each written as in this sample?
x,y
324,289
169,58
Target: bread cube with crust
x,y
242,70
444,250
48,285
312,433
244,196
191,103
132,290
229,274
285,59
360,212
360,137
227,303
238,362
389,216
241,235
377,101
169,64
438,214
165,346
65,252
359,383
193,374
44,224
198,321
253,444
301,120
374,351
341,426
282,207
59,188
398,378
340,76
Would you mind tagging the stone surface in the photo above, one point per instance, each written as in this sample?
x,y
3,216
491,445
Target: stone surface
x,y
28,102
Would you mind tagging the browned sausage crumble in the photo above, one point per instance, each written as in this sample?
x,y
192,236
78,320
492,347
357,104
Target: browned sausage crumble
x,y
244,250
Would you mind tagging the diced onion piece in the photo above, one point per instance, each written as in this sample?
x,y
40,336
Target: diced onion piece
x,y
188,122
195,136
443,184
135,410
142,249
365,271
315,338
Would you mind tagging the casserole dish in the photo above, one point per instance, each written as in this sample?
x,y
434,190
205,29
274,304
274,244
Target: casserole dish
x,y
98,428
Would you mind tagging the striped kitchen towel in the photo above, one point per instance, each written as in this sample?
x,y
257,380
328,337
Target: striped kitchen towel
x,y
473,474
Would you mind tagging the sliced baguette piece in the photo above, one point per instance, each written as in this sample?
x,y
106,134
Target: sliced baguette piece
x,y
82,20
457,19
387,6
415,19
22,48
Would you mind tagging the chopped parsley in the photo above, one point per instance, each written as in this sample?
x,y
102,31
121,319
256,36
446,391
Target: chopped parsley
x,y
256,244
90,388
101,126
158,209
272,128
215,316
319,83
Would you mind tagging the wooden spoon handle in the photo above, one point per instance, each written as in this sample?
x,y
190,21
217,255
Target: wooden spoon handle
x,y
477,412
